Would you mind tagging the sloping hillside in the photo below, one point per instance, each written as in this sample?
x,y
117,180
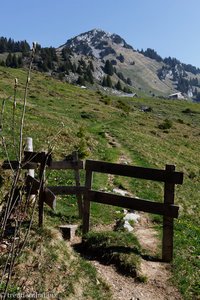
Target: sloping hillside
x,y
65,117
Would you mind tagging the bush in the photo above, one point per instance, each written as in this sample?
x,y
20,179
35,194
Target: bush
x,y
167,124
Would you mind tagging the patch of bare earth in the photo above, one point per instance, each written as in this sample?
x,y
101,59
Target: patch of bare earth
x,y
158,285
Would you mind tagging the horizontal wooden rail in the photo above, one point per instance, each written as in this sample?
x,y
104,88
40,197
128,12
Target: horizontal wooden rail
x,y
132,171
64,164
66,190
133,203
54,165
14,164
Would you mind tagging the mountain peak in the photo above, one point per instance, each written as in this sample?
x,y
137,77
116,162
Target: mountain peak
x,y
96,42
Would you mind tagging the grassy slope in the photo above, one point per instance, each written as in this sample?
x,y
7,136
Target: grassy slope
x,y
52,104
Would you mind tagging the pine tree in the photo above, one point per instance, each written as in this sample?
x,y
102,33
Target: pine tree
x,y
128,80
108,68
118,86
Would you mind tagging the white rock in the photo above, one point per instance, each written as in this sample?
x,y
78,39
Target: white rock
x,y
128,226
132,217
121,192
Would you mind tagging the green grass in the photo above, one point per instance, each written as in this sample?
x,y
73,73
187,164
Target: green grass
x,y
119,248
49,266
57,111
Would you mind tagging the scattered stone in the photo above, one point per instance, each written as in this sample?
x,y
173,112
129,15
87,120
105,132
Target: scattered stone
x,y
128,226
120,191
145,108
132,217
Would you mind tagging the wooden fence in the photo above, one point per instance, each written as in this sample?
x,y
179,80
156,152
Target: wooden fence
x,y
167,209
43,161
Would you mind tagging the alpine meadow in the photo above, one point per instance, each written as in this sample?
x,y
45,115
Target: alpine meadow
x,y
100,97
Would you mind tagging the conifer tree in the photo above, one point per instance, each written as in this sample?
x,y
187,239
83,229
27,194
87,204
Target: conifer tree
x,y
118,86
108,69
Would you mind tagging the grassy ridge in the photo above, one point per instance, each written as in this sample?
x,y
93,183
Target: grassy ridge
x,y
67,117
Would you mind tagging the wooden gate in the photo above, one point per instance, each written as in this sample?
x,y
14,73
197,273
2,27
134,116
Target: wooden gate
x,y
167,208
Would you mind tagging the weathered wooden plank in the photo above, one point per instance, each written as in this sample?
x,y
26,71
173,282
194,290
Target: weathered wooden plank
x,y
37,157
15,165
49,198
133,203
54,165
66,190
33,186
133,171
58,165
168,221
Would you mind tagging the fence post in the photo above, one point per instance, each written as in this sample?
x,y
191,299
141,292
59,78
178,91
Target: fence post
x,y
86,202
168,222
41,194
77,179
31,172
29,147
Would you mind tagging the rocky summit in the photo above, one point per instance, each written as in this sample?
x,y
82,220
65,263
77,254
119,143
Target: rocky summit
x,y
133,70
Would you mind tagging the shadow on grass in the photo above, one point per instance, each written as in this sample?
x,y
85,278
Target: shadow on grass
x,y
68,219
120,249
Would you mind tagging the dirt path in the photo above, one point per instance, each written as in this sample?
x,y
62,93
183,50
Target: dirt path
x,y
158,285
126,288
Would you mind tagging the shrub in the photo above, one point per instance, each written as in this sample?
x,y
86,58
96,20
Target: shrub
x,y
167,124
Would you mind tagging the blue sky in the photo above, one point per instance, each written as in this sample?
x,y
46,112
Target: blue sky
x,y
171,27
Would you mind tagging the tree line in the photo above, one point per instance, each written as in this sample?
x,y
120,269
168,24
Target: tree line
x,y
9,45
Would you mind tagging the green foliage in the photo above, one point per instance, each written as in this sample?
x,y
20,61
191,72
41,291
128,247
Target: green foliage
x,y
186,256
167,124
9,45
151,53
12,290
82,146
13,61
106,99
123,106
